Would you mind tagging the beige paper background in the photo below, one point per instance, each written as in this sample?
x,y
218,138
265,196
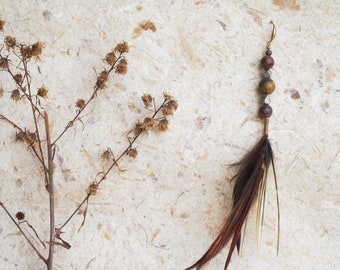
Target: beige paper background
x,y
164,211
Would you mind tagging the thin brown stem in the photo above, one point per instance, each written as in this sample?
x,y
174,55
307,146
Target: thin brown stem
x,y
94,94
75,211
51,193
34,110
114,163
23,234
2,117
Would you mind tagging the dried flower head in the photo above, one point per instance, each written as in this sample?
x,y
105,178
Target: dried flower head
x,y
170,107
147,100
42,92
163,125
138,129
122,47
92,189
148,124
4,63
102,79
18,78
25,51
121,68
31,138
15,95
20,216
26,136
167,97
36,49
2,24
132,152
110,58
10,42
107,155
32,50
80,104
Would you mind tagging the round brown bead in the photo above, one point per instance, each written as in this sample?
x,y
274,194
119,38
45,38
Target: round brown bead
x,y
265,110
267,62
267,86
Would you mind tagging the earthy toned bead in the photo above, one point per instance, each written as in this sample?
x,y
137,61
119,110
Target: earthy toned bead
x,y
266,86
266,74
267,62
268,52
265,110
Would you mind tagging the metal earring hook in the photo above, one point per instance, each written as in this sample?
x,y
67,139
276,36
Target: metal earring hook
x,y
272,36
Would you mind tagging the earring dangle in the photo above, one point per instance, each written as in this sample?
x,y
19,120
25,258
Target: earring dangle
x,y
251,178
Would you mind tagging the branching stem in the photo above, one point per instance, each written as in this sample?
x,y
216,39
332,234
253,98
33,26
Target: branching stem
x,y
114,163
94,94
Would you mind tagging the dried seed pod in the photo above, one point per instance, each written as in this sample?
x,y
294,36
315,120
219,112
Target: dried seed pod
x,y
26,136
121,68
122,47
163,125
102,79
10,42
20,216
15,95
170,107
3,63
107,155
18,78
147,100
80,104
25,51
42,92
110,58
132,152
148,124
138,129
167,97
36,49
92,189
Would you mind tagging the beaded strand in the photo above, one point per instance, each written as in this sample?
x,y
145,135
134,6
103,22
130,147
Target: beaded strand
x,y
267,85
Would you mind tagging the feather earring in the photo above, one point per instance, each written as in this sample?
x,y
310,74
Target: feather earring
x,y
251,179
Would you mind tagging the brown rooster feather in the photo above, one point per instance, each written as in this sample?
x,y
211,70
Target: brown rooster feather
x,y
250,186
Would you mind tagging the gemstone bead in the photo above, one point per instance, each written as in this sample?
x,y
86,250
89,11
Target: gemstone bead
x,y
267,62
266,86
265,110
266,74
268,52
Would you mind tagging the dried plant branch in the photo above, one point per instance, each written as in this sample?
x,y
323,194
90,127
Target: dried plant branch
x,y
35,232
25,55
23,233
24,135
44,147
100,84
168,105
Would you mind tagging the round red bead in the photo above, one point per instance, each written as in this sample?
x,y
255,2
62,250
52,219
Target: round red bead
x,y
265,111
267,62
